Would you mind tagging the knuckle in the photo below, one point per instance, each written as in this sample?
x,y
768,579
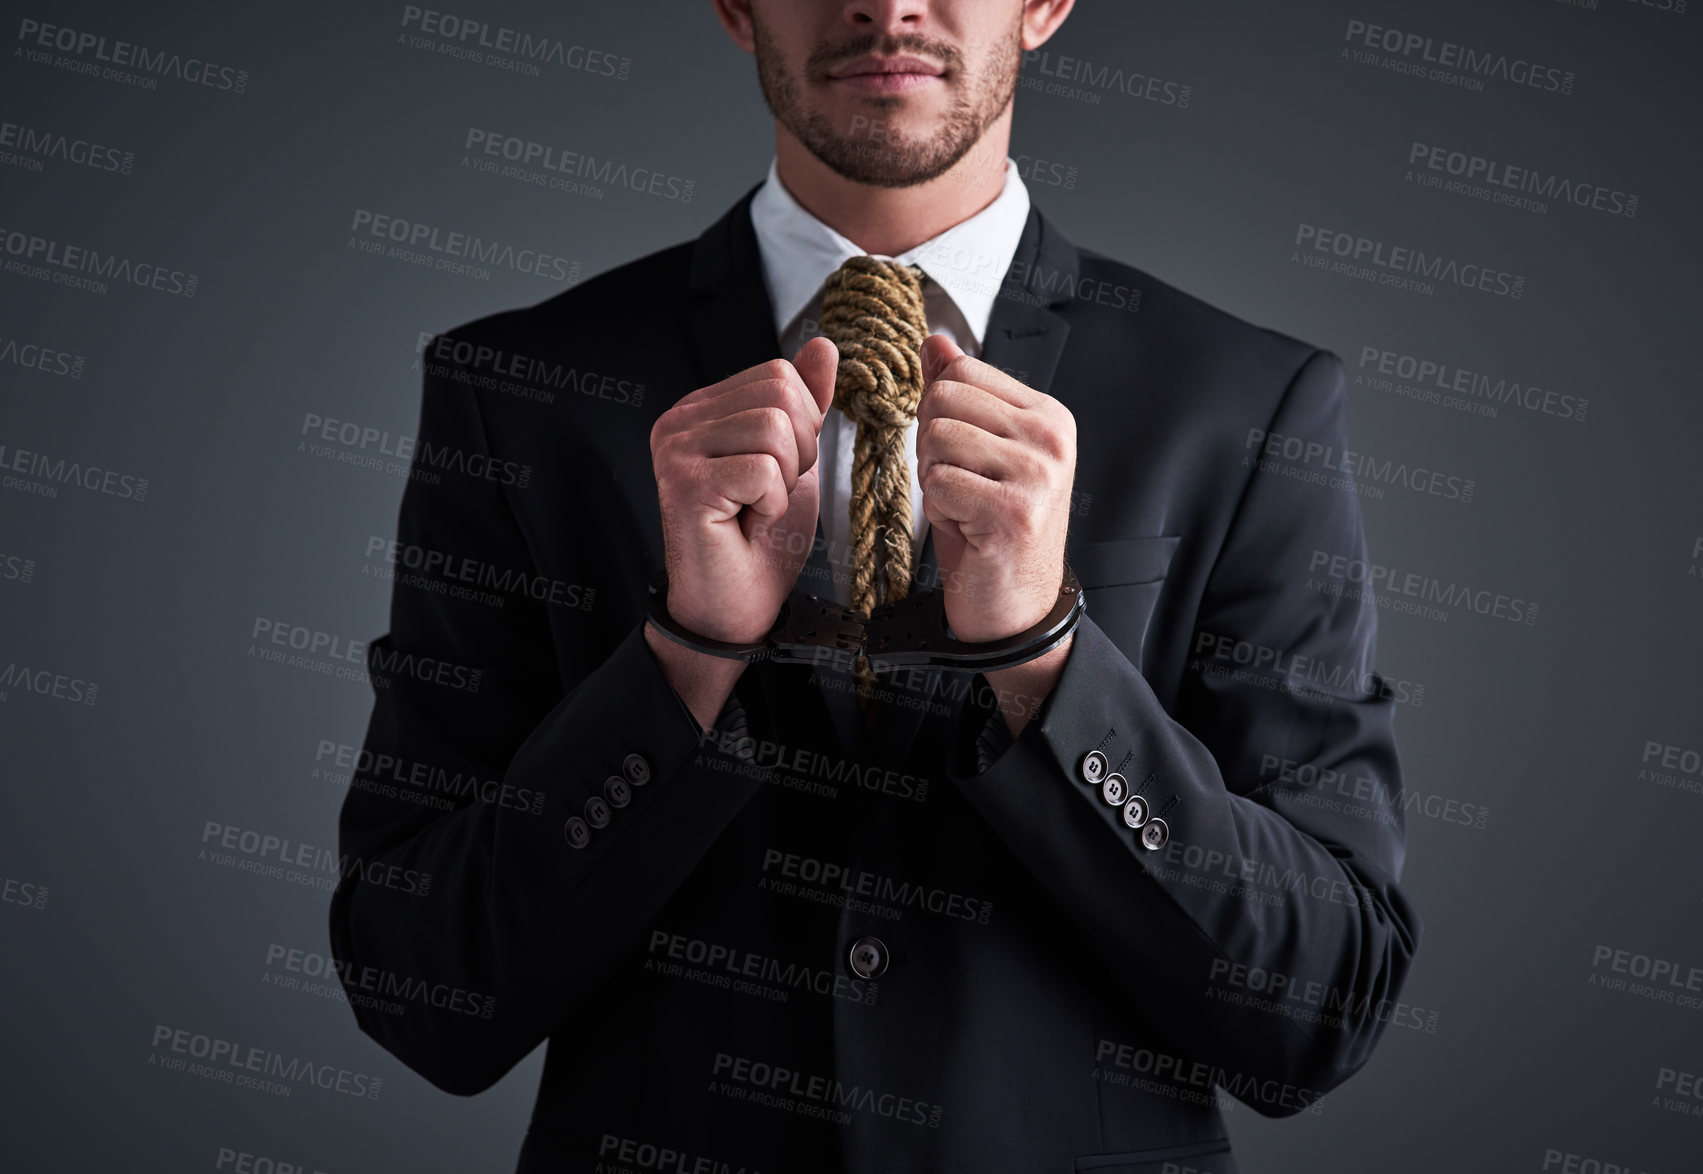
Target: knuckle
x,y
665,426
959,369
779,393
1066,424
802,404
665,448
777,424
1056,438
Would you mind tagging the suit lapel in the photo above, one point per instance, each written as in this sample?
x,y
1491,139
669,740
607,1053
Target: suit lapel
x,y
1025,337
733,324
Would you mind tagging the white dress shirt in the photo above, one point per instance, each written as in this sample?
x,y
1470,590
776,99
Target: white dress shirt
x,y
964,267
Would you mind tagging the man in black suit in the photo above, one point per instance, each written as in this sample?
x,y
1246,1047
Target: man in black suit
x,y
1028,920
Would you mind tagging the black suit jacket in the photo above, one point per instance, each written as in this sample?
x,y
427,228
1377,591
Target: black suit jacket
x,y
1057,996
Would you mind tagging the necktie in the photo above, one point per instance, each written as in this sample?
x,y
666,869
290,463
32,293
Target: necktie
x,y
872,309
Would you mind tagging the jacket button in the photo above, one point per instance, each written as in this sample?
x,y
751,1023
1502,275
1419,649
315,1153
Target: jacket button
x,y
1135,811
1155,834
596,812
868,957
577,831
1115,789
1094,767
616,790
636,768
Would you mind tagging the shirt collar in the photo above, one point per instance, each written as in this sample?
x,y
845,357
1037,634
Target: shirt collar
x,y
969,260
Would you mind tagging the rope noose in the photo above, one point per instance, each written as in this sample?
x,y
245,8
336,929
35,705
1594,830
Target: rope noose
x,y
873,311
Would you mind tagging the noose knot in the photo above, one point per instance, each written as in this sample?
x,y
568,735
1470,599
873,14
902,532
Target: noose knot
x,y
872,310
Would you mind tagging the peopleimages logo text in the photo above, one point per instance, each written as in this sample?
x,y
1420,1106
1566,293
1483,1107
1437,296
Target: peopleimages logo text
x,y
229,1058
41,144
48,254
1449,55
1427,375
128,54
529,153
1391,580
1412,262
1476,169
471,36
429,238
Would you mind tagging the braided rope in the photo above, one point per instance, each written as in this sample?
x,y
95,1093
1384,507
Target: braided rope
x,y
873,311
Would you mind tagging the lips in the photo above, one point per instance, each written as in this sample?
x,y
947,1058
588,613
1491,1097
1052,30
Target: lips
x,y
872,66
887,76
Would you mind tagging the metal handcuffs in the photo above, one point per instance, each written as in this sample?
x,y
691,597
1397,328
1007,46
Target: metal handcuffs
x,y
911,632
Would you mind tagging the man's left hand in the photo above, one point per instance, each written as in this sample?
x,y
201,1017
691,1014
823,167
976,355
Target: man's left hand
x,y
996,461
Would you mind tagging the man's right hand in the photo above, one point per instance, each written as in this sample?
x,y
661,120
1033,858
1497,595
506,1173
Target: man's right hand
x,y
738,484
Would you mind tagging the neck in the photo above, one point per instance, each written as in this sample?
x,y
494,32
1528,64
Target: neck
x,y
889,221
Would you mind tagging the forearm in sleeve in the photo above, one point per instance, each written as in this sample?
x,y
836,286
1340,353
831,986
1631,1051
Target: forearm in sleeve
x,y
1251,871
544,797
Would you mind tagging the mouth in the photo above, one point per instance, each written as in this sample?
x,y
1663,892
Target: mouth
x,y
886,74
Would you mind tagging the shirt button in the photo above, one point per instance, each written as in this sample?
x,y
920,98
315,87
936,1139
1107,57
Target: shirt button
x,y
596,812
1094,767
1155,834
868,957
1115,789
1135,811
577,831
616,790
636,767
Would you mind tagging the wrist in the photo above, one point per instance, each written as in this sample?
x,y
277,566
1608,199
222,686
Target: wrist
x,y
1002,606
1021,690
702,681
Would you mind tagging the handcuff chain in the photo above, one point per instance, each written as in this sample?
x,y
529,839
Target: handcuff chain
x,y
909,633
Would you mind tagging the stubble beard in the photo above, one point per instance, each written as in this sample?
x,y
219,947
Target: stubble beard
x,y
878,156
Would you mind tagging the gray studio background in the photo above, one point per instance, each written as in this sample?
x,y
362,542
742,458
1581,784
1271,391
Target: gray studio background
x,y
1577,840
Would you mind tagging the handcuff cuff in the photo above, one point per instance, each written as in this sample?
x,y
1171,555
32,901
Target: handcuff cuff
x,y
909,633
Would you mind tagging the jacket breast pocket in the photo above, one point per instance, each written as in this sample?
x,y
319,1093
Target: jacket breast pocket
x,y
1121,579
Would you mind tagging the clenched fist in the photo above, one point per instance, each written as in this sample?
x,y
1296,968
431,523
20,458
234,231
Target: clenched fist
x,y
996,461
738,483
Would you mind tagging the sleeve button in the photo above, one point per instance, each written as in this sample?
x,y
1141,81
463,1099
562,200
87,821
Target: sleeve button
x,y
1155,834
596,812
1135,811
1094,767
